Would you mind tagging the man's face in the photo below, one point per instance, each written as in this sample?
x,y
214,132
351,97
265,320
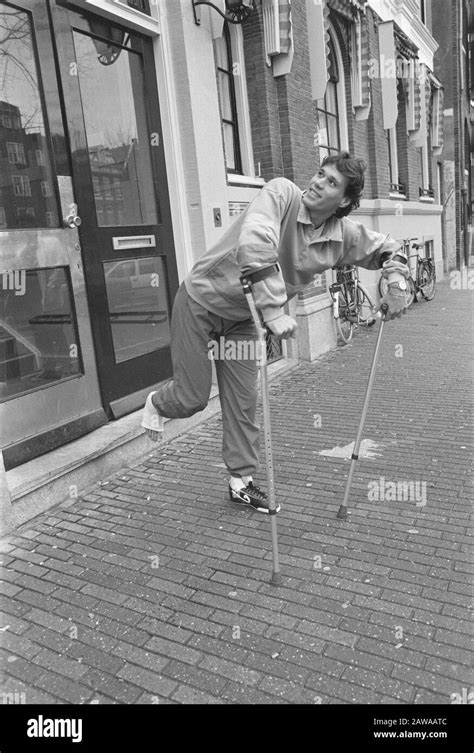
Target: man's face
x,y
326,191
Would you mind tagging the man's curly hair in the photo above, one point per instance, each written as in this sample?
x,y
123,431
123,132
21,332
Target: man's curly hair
x,y
353,169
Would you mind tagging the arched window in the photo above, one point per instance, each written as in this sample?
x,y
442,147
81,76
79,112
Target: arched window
x,y
330,110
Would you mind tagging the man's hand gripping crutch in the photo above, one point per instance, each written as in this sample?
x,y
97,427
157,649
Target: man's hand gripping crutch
x,y
282,327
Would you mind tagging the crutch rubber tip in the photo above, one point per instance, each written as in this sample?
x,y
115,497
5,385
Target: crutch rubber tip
x,y
276,579
342,513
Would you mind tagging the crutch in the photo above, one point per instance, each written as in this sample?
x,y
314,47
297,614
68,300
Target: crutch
x,y
342,512
247,281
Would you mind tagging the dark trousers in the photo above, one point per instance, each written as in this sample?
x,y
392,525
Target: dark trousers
x,y
193,333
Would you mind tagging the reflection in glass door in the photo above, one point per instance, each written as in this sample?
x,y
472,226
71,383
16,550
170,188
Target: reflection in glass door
x,y
138,306
27,197
118,142
37,318
120,180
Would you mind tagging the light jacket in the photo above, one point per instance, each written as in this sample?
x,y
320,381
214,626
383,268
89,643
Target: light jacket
x,y
277,227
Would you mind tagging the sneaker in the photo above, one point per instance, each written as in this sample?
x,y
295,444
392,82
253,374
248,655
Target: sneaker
x,y
251,495
151,419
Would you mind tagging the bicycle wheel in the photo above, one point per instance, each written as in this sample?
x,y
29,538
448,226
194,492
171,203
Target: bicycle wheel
x,y
383,286
427,279
364,308
346,320
410,293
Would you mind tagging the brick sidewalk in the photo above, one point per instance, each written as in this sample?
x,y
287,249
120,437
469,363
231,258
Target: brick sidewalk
x,y
154,588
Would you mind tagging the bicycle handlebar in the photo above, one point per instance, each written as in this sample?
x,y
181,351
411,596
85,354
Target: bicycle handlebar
x,y
404,242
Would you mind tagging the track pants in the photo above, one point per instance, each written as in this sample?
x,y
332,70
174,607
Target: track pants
x,y
193,330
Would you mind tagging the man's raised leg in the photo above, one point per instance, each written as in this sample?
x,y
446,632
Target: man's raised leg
x,y
189,389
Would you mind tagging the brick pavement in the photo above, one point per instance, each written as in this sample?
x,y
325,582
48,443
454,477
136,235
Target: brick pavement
x,y
153,588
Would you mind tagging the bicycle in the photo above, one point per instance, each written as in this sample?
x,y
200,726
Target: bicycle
x,y
425,275
352,305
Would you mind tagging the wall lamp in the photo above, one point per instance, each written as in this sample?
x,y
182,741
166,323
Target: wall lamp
x,y
237,11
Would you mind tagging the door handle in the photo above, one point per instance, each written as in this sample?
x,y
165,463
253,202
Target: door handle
x,y
72,220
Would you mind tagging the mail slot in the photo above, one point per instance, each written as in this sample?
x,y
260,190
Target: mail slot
x,y
133,241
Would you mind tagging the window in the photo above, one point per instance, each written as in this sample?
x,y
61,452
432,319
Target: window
x,y
392,158
331,109
106,188
21,185
234,104
227,101
420,166
24,211
424,144
141,5
3,218
96,186
16,153
40,157
425,190
328,109
117,189
440,182
396,186
46,188
50,219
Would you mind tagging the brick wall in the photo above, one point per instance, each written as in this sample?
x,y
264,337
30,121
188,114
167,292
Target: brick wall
x,y
282,113
297,112
263,101
377,137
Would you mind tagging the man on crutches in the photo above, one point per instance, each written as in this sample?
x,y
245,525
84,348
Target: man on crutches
x,y
292,235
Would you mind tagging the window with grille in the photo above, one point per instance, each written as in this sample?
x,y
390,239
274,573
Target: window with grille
x,y
21,185
16,153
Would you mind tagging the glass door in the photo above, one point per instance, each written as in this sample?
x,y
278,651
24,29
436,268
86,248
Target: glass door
x,y
48,382
112,111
